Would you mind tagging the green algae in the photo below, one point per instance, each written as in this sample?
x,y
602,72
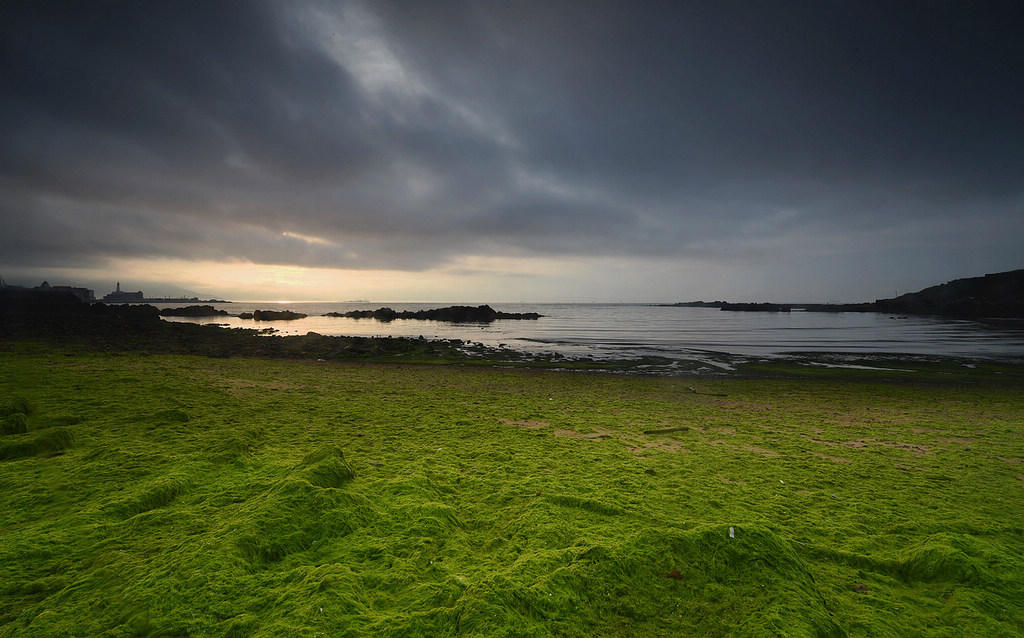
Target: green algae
x,y
230,497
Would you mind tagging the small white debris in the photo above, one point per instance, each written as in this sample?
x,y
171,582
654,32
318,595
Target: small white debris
x,y
781,481
732,533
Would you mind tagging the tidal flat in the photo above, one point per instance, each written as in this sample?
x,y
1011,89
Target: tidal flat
x,y
167,495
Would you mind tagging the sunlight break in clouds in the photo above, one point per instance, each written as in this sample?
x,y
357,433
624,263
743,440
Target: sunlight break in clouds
x,y
308,239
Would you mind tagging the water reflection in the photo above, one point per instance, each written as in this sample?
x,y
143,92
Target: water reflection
x,y
623,330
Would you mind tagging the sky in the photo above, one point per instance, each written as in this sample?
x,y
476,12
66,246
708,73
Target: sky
x,y
548,151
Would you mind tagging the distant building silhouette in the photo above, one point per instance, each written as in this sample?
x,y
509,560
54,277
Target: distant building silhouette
x,y
120,296
84,294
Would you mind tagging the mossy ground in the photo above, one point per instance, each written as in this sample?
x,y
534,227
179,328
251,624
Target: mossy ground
x,y
176,495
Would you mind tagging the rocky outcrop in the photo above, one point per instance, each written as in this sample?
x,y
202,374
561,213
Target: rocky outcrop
x,y
272,315
455,314
756,307
193,311
999,295
63,312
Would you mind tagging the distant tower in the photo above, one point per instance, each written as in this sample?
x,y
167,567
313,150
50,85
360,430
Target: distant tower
x,y
118,287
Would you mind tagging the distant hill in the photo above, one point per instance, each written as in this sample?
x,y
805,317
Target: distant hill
x,y
998,295
994,295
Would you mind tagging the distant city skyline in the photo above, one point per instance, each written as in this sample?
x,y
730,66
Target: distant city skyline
x,y
513,151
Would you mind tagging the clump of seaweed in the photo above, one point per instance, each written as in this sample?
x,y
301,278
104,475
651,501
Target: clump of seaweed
x,y
327,467
16,405
14,416
16,423
151,495
51,441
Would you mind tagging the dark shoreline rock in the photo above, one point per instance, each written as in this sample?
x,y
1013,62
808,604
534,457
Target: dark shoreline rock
x,y
272,315
454,314
193,311
63,320
755,307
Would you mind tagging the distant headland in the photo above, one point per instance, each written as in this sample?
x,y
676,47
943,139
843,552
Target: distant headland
x,y
997,295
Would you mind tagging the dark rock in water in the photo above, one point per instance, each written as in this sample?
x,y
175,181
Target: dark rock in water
x,y
454,314
380,314
696,304
193,311
756,307
272,315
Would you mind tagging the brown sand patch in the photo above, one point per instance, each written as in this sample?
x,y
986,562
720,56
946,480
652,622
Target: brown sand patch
x,y
1009,460
834,459
730,481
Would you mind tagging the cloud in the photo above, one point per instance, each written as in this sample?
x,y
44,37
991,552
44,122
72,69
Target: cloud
x,y
406,136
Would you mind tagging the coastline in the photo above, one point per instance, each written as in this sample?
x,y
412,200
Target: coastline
x,y
140,328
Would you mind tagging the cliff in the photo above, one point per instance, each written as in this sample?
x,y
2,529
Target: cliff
x,y
994,295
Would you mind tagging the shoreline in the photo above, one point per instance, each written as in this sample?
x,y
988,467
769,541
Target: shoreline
x,y
140,328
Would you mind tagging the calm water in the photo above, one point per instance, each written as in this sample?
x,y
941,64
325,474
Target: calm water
x,y
626,330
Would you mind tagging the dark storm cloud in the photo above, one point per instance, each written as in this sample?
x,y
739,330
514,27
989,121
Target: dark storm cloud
x,y
402,134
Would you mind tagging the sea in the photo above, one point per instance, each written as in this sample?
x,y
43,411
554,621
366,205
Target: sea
x,y
627,331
